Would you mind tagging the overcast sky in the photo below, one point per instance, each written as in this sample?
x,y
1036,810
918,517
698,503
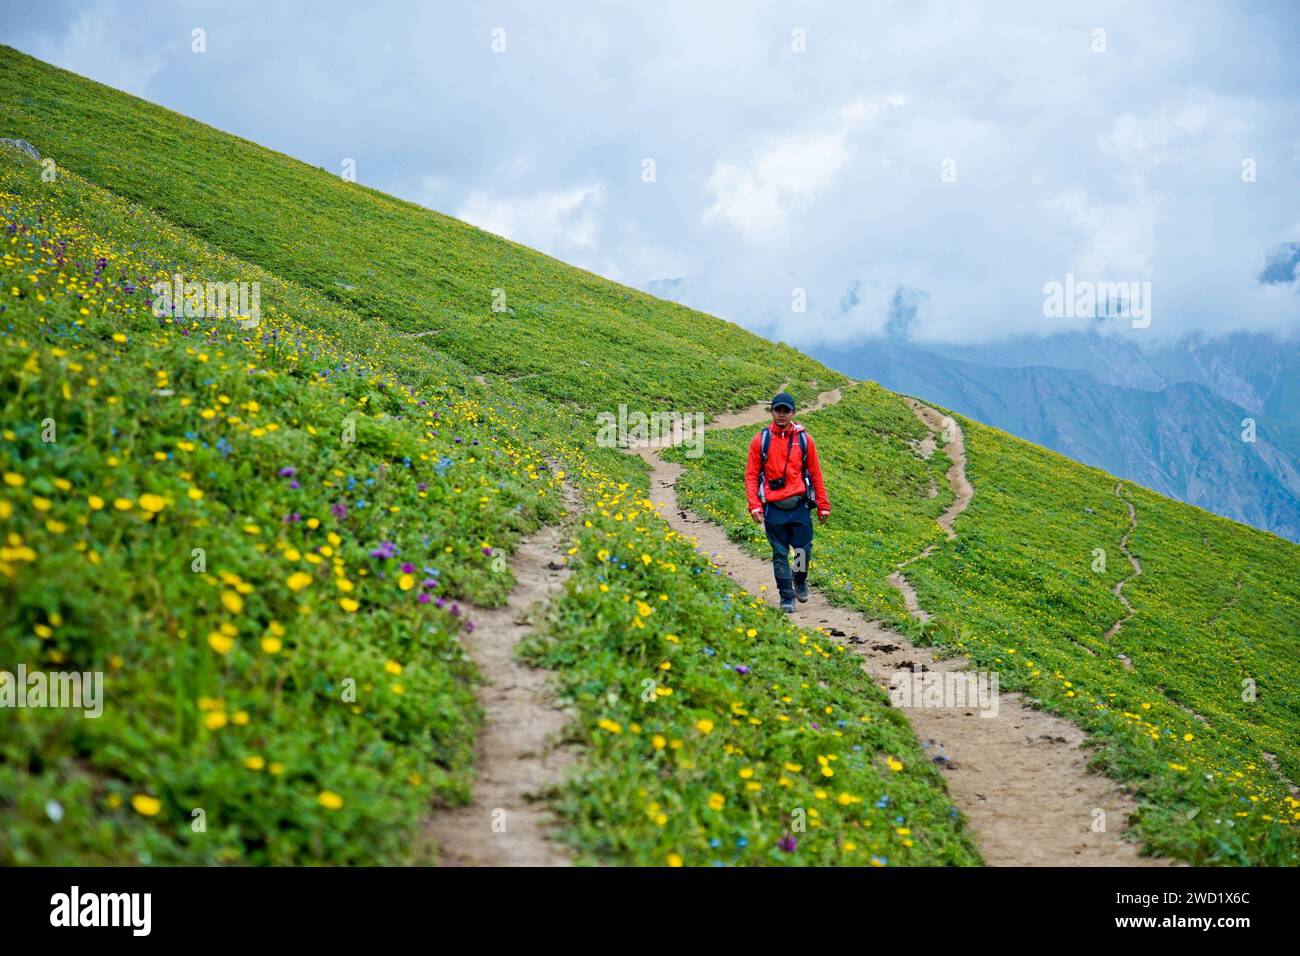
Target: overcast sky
x,y
1108,143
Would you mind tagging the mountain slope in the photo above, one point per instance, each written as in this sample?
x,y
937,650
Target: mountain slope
x,y
1182,439
699,774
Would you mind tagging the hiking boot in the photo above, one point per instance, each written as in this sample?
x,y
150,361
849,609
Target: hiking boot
x,y
801,592
787,605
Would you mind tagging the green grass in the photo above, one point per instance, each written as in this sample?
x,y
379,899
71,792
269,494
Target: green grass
x,y
347,275
581,338
714,728
254,735
225,675
1016,592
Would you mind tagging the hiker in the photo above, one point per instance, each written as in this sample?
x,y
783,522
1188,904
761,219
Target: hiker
x,y
783,482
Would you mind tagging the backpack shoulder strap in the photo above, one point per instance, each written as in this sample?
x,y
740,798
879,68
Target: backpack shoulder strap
x,y
808,491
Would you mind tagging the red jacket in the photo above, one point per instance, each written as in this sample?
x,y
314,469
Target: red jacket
x,y
777,465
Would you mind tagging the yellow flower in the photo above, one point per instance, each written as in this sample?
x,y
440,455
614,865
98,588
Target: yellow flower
x,y
704,725
240,717
329,800
393,667
612,726
215,720
14,480
674,859
195,494
298,580
95,502
221,643
233,602
254,762
41,504
349,604
658,741
746,773
894,764
152,503
406,582
716,801
123,504
272,645
146,805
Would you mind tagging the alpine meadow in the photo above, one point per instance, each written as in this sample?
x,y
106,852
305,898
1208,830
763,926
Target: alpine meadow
x,y
364,574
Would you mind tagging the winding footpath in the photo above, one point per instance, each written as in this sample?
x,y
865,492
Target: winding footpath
x,y
1021,777
1118,589
506,824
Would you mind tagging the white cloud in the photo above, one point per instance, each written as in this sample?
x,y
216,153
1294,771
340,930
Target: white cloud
x,y
562,223
83,49
1115,240
759,196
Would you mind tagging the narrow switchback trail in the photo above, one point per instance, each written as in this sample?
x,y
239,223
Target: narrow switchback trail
x,y
1021,777
1118,589
506,824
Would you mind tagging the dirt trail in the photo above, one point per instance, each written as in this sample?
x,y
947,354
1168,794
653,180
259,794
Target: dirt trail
x,y
515,753
1118,589
1021,776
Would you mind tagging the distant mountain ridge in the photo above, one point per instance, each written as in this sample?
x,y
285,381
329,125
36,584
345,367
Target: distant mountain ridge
x,y
1169,417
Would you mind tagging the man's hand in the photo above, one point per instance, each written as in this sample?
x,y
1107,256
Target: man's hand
x,y
823,516
757,515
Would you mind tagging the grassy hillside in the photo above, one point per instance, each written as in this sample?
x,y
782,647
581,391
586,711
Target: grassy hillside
x,y
327,561
578,337
330,560
1211,755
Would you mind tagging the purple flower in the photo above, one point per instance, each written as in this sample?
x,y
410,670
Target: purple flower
x,y
339,510
294,484
487,551
288,471
424,598
440,602
787,843
385,551
408,568
816,727
742,669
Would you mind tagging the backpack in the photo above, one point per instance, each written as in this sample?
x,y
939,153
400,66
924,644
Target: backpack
x,y
810,496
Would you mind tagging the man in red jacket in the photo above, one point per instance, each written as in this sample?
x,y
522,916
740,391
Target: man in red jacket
x,y
780,497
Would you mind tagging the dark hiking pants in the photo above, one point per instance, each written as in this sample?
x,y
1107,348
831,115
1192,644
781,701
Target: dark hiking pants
x,y
790,534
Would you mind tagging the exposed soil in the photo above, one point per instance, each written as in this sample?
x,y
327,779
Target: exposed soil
x,y
506,824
